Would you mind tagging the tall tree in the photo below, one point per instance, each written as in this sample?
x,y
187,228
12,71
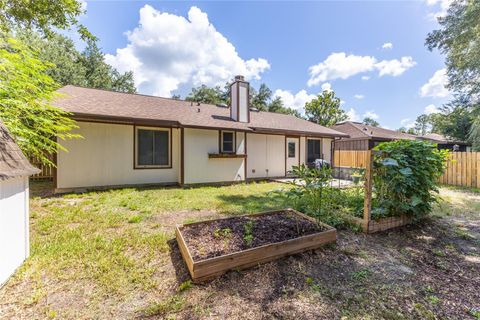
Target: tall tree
x,y
25,92
45,16
325,109
205,94
370,122
459,39
69,66
260,99
422,124
100,75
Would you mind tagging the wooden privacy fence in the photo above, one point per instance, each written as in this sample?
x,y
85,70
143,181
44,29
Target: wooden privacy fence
x,y
463,168
46,172
350,158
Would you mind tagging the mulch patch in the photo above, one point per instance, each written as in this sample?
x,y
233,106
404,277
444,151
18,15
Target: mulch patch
x,y
224,236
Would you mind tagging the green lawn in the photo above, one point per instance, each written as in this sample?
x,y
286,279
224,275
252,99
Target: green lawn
x,y
112,254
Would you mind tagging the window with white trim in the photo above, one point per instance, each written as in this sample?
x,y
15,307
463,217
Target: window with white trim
x,y
152,147
228,142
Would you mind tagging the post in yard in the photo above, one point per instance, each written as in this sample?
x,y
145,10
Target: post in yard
x,y
367,203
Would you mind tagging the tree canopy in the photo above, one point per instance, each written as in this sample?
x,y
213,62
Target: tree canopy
x,y
69,66
458,38
45,16
370,122
325,109
262,99
25,92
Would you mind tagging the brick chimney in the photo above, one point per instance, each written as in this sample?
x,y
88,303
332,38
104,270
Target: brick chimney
x,y
239,100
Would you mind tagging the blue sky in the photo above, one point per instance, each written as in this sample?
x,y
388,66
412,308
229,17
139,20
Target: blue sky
x,y
371,53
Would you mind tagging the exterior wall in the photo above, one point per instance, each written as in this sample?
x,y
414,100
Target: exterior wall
x,y
105,157
14,229
303,150
199,168
327,149
266,155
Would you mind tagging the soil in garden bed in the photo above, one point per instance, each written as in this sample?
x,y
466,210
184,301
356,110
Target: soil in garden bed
x,y
212,239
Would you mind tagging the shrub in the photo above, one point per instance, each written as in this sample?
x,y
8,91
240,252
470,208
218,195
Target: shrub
x,y
405,177
315,195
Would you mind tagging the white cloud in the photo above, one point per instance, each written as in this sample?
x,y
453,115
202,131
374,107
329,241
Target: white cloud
x,y
371,114
359,96
339,65
387,46
440,7
435,87
296,101
326,87
395,67
166,51
407,123
430,109
365,78
352,115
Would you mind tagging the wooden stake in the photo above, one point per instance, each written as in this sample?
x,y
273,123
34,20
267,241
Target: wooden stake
x,y
367,204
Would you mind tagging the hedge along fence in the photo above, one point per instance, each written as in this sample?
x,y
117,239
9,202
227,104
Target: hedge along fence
x,y
405,174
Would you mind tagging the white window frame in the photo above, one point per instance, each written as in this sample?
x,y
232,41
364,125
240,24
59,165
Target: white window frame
x,y
167,166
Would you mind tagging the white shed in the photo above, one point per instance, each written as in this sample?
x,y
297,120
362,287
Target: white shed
x,y
14,230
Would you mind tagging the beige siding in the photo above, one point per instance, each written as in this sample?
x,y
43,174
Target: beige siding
x,y
199,168
104,157
327,149
266,155
303,150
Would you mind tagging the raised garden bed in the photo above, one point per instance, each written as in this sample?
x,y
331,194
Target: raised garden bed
x,y
381,224
211,248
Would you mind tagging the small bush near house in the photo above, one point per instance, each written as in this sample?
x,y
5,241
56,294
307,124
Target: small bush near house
x,y
405,177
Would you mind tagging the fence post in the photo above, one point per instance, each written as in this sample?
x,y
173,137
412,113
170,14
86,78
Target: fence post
x,y
367,203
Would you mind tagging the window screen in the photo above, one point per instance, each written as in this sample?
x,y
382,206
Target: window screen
x,y
291,149
153,147
227,142
313,150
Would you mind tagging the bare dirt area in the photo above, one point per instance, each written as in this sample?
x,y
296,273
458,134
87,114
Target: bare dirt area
x,y
91,260
224,236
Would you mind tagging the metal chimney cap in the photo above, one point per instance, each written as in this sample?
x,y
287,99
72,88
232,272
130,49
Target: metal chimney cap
x,y
239,78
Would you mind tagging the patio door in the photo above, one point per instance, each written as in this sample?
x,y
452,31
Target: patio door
x,y
292,153
313,150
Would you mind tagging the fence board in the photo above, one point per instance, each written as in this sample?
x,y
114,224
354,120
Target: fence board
x,y
463,168
46,172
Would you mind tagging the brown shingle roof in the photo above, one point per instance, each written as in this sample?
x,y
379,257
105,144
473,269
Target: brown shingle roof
x,y
438,138
12,161
358,130
94,103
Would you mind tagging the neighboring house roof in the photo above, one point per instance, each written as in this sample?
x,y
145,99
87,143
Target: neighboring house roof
x,y
441,139
357,130
86,104
12,161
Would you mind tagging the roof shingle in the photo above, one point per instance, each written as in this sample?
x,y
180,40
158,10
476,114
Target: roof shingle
x,y
96,103
12,161
358,130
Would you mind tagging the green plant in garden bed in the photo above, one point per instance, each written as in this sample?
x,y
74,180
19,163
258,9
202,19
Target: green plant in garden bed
x,y
315,196
405,177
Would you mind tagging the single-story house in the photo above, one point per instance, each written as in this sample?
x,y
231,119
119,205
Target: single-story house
x,y
131,139
365,137
14,210
446,143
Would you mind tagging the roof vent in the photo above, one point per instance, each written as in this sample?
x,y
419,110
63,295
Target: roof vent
x,y
198,103
222,105
198,109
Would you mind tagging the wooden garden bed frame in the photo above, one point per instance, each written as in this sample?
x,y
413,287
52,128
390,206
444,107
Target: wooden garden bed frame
x,y
206,269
